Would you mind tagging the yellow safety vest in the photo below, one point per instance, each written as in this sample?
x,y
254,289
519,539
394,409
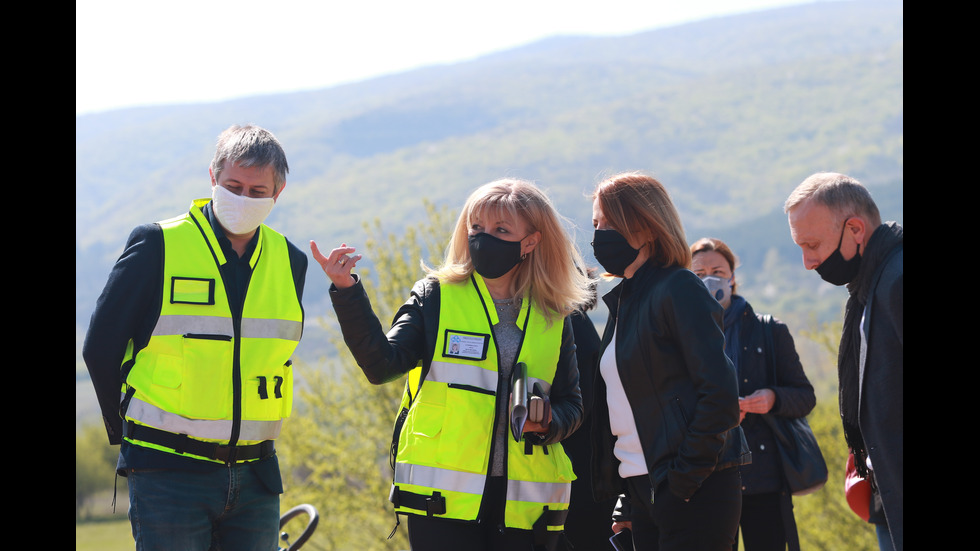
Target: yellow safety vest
x,y
205,374
443,451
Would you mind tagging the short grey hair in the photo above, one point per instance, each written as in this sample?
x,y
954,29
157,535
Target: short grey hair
x,y
843,195
248,146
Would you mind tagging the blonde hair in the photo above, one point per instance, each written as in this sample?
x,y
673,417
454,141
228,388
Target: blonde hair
x,y
549,274
637,205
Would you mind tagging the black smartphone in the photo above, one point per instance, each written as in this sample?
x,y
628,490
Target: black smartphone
x,y
622,540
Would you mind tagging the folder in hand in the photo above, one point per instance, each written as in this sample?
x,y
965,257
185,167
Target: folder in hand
x,y
525,406
518,400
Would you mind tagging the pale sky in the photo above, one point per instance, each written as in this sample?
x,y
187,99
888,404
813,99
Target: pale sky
x,y
130,53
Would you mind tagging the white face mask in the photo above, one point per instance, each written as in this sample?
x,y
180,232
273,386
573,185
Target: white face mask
x,y
238,214
720,289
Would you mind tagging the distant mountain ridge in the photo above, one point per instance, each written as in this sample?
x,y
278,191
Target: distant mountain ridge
x,y
730,113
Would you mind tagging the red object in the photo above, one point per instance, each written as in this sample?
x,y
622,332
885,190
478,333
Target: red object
x,y
857,490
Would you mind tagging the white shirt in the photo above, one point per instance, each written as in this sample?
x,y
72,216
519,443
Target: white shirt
x,y
628,449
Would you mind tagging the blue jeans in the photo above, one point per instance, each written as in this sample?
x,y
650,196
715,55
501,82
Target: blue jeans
x,y
225,509
884,538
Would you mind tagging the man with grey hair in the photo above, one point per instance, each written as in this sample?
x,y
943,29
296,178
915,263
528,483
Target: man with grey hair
x,y
197,325
837,225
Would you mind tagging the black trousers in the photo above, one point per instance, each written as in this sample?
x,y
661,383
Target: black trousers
x,y
762,524
707,522
589,523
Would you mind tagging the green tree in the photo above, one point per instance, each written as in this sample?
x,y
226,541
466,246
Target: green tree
x,y
823,518
335,447
95,460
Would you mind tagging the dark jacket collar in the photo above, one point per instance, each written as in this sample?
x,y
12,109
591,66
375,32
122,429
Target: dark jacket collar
x,y
625,288
885,238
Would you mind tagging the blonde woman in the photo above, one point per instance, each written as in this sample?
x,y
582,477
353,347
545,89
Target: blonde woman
x,y
500,299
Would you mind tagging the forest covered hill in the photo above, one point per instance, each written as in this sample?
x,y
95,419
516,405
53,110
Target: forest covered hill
x,y
730,113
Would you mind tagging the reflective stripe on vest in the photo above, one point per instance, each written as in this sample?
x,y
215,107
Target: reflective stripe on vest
x,y
203,373
443,372
431,477
251,328
445,440
470,483
148,414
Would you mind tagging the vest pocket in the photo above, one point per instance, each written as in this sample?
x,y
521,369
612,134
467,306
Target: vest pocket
x,y
207,367
268,394
158,380
465,442
168,371
538,466
561,463
419,440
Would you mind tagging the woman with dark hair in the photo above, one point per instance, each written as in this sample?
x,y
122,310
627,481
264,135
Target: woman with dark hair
x,y
666,431
587,525
767,521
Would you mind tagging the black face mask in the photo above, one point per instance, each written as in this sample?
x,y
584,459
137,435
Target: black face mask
x,y
493,257
837,271
613,251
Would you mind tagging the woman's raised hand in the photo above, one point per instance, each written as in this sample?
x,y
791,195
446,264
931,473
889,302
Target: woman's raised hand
x,y
338,264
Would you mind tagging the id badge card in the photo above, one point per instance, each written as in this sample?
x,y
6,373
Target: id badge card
x,y
466,345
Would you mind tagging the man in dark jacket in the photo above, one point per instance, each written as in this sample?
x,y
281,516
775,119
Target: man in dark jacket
x,y
198,313
837,225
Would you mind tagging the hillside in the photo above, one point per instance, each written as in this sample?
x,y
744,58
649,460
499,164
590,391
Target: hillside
x,y
730,113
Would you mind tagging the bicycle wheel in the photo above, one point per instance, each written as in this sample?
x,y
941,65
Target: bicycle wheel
x,y
312,518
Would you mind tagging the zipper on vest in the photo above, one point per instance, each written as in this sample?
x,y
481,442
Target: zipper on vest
x,y
471,388
236,374
497,398
396,434
236,386
207,336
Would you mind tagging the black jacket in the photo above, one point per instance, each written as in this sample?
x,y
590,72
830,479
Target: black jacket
x,y
680,384
412,339
794,396
873,396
